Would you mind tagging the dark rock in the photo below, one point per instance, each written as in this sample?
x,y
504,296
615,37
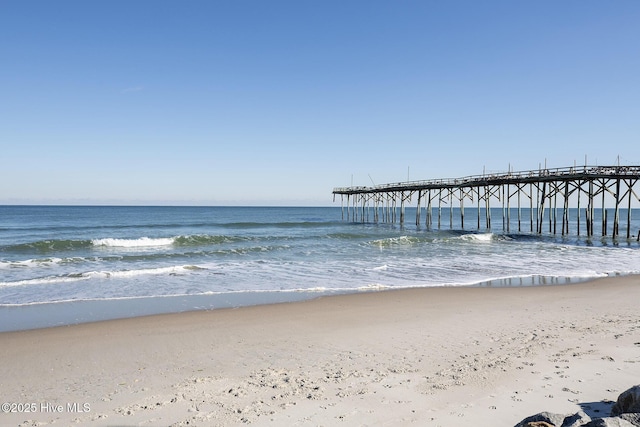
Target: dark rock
x,y
555,420
608,422
625,413
632,418
628,402
576,420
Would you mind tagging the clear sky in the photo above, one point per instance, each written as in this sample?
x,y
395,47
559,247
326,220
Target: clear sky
x,y
276,102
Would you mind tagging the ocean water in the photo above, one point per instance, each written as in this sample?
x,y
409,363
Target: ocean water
x,y
69,264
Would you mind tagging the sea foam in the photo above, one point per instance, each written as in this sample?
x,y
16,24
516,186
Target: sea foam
x,y
142,242
480,237
172,270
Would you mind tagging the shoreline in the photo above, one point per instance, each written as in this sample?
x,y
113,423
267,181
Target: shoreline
x,y
74,312
439,356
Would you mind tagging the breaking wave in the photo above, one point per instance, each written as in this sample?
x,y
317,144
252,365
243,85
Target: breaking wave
x,y
142,242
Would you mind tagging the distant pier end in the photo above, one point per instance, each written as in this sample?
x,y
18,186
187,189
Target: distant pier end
x,y
600,189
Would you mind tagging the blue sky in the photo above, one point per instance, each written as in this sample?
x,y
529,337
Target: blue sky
x,y
277,102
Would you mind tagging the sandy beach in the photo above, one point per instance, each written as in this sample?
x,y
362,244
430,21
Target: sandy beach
x,y
433,356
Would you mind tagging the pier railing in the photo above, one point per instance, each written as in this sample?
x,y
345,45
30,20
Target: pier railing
x,y
501,177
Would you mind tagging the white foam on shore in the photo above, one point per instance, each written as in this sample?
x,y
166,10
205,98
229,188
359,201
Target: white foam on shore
x,y
183,269
134,273
43,281
376,287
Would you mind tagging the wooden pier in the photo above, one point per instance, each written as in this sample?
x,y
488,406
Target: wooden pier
x,y
598,189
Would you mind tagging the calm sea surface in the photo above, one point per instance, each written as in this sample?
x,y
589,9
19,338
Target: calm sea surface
x,y
55,259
